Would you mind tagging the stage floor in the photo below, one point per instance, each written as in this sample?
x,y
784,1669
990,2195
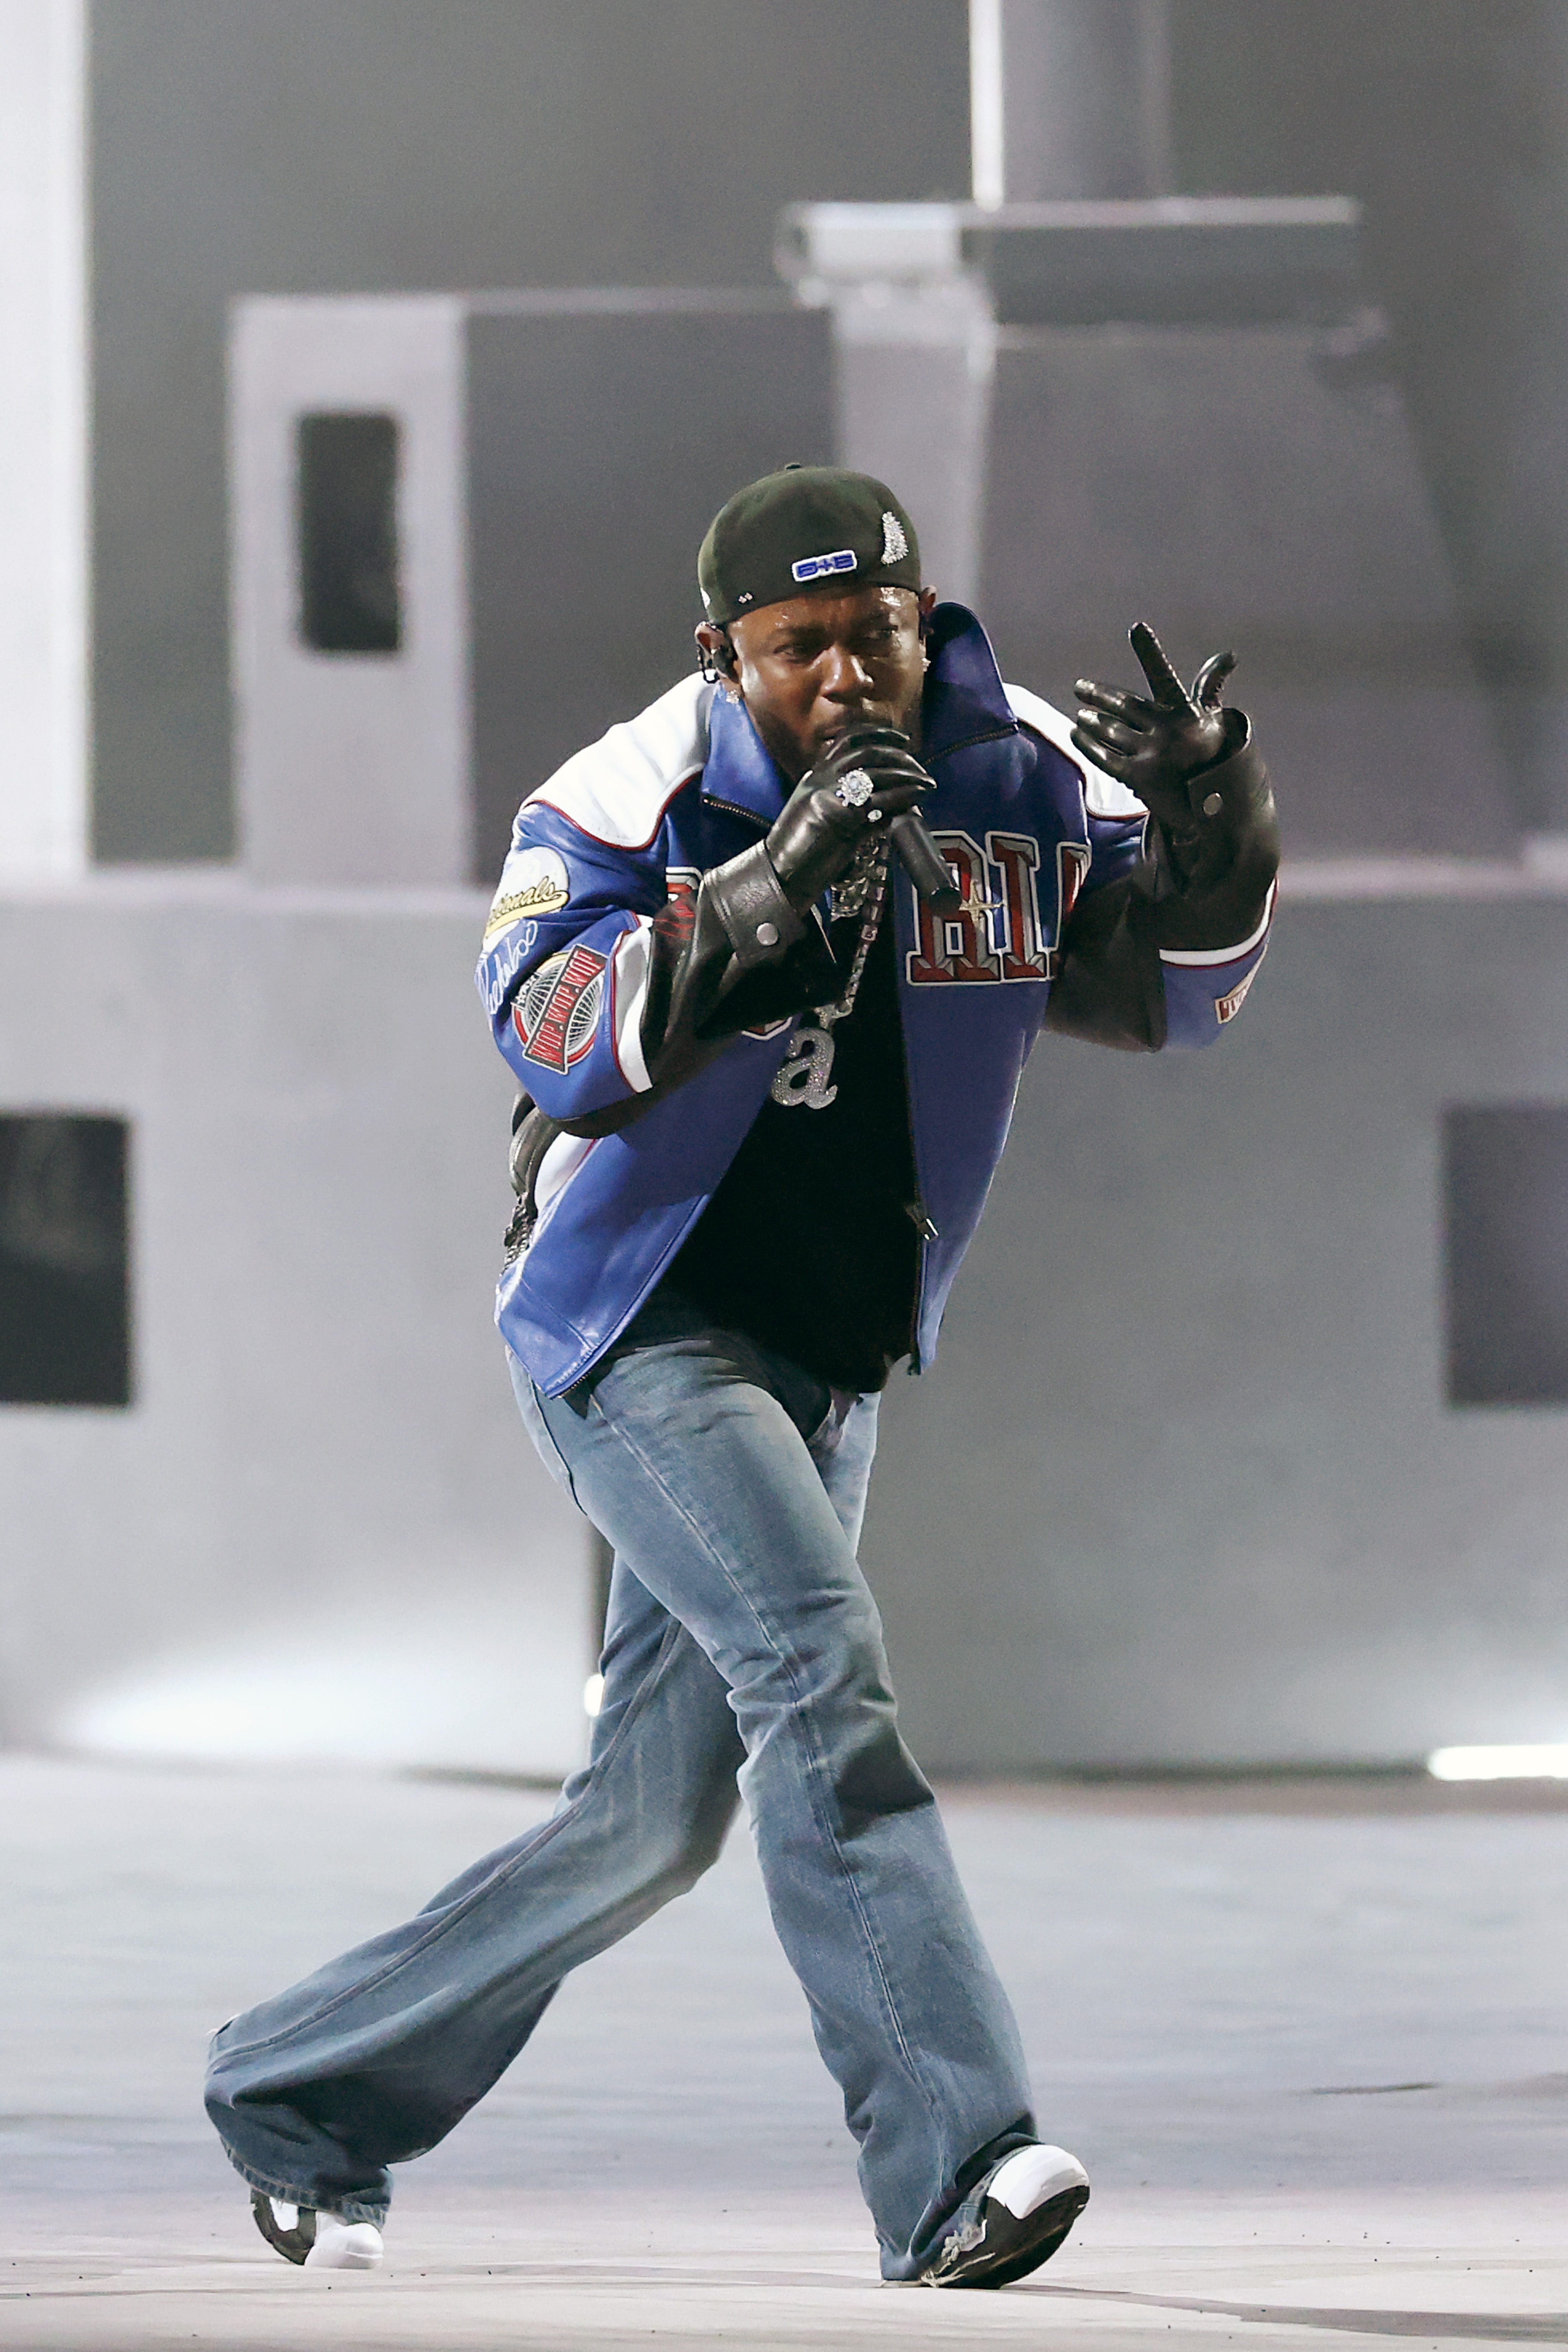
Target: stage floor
x,y
1311,2039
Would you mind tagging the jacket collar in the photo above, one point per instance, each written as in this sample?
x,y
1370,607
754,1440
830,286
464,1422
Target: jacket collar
x,y
963,698
740,775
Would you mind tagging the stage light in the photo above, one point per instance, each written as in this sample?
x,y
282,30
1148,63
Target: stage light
x,y
1542,1760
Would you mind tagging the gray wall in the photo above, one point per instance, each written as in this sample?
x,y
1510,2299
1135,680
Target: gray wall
x,y
1449,118
1182,1485
584,530
298,145
280,146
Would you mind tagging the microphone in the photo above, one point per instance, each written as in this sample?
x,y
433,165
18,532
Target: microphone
x,y
924,864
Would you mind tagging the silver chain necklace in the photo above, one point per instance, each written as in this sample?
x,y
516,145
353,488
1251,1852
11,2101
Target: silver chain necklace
x,y
800,1081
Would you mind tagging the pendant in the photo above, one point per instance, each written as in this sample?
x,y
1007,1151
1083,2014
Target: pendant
x,y
801,1077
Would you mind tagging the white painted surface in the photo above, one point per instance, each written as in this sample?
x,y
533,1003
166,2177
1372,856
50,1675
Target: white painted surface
x,y
43,407
351,768
988,149
319,1531
1182,1484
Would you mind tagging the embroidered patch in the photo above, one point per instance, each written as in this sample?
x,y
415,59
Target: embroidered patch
x,y
509,960
894,542
538,887
556,1011
818,567
1225,1008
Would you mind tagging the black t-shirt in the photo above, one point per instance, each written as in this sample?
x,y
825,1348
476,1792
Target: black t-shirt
x,y
810,1243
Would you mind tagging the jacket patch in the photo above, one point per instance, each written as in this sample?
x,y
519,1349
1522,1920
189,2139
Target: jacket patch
x,y
539,886
556,1011
509,960
998,934
1225,1008
818,567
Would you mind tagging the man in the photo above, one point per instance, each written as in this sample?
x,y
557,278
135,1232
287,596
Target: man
x,y
767,1086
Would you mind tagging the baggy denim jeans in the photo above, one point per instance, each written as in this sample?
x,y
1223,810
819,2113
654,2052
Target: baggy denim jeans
x,y
743,1658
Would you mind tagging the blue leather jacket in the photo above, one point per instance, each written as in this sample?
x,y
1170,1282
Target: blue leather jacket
x,y
626,830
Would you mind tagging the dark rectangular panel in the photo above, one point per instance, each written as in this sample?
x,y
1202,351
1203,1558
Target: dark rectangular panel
x,y
601,446
1505,1190
1209,274
65,1306
346,477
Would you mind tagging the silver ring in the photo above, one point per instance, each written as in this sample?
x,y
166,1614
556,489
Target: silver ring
x,y
855,789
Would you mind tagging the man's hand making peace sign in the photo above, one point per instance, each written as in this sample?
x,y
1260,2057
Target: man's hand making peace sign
x,y
1153,743
1214,848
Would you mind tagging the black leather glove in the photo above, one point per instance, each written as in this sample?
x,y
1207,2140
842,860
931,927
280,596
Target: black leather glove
x,y
1153,744
868,777
1212,853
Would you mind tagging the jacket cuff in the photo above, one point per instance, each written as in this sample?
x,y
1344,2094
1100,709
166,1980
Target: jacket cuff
x,y
748,900
1206,886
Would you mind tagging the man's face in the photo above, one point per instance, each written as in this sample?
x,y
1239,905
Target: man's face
x,y
823,663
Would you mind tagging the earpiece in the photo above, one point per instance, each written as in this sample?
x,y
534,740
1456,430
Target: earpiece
x,y
718,663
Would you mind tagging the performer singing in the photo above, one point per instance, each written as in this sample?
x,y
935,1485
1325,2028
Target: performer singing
x,y
766,1085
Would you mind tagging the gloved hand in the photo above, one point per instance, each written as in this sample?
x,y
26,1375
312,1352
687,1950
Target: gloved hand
x,y
868,777
1154,744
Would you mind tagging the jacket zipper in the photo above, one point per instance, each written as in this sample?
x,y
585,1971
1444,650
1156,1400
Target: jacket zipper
x,y
916,1210
919,1214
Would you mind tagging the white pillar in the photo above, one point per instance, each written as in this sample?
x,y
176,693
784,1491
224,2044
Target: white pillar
x,y
1068,98
43,411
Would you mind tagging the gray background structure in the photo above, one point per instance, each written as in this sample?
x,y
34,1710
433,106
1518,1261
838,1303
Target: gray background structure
x,y
1185,1484
301,146
319,1529
315,145
1191,1410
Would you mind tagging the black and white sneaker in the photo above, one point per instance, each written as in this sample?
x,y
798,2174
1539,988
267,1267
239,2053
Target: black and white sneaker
x,y
321,2241
1028,2204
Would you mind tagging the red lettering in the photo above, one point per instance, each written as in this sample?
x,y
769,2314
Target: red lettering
x,y
1023,957
957,947
545,1036
1072,860
964,947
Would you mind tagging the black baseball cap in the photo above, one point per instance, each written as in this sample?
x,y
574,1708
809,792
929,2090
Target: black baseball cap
x,y
801,527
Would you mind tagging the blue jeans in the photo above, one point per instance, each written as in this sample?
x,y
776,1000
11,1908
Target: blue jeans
x,y
743,1656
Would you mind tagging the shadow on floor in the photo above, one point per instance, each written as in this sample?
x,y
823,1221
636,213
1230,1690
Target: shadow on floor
x,y
1513,2327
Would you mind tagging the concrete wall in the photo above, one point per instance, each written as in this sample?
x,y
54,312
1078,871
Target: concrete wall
x,y
319,1529
1449,118
1225,486
1182,1485
593,469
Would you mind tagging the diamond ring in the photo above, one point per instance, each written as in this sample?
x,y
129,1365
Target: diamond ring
x,y
855,789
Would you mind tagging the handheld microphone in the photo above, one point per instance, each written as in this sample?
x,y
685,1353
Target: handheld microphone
x,y
924,864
